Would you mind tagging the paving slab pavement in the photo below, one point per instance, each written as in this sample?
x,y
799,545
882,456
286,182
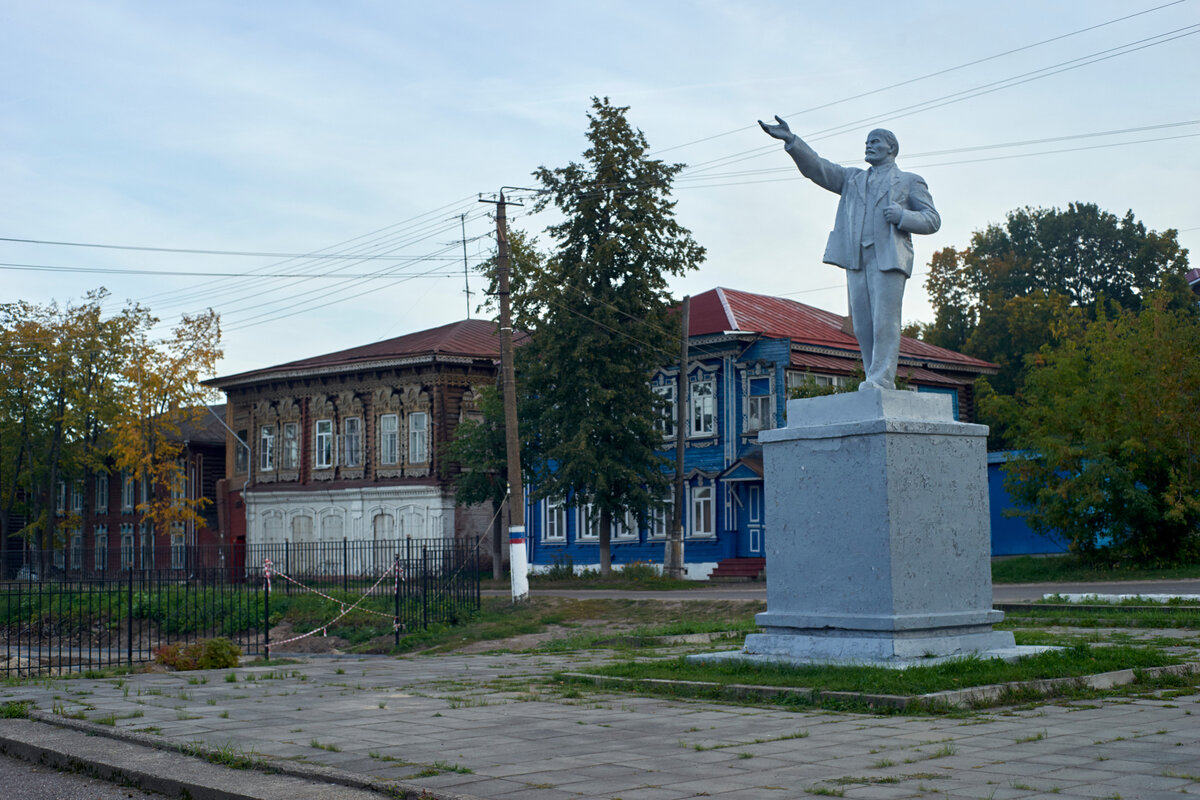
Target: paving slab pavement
x,y
497,726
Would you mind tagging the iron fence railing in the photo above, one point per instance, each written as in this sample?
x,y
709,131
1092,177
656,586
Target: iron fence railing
x,y
57,619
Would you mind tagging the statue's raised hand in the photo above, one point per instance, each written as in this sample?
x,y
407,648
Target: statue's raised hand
x,y
780,131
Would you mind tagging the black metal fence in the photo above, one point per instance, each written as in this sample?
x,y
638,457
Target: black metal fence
x,y
68,612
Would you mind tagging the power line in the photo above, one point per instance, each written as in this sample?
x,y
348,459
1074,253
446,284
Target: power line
x,y
259,254
928,75
965,94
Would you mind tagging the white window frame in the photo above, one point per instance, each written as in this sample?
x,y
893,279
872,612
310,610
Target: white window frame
x,y
102,492
77,498
666,423
178,547
60,504
760,408
554,527
266,448
701,516
587,529
100,547
352,442
797,378
147,540
289,456
625,528
323,444
389,439
127,548
128,493
76,548
702,408
418,437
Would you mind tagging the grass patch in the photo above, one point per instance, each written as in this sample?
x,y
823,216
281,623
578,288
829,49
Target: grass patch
x,y
1140,615
960,674
16,709
499,618
1068,568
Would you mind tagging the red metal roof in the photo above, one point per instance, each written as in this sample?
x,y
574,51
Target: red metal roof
x,y
721,309
469,338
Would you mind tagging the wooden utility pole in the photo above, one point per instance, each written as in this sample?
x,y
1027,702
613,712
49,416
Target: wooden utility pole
x,y
518,559
673,555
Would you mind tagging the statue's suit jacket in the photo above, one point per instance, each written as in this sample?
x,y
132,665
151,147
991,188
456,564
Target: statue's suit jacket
x,y
892,243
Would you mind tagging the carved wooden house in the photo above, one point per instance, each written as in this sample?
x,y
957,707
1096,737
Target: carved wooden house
x,y
345,446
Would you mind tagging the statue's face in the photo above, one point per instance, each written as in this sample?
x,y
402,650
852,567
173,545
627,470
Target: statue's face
x,y
878,149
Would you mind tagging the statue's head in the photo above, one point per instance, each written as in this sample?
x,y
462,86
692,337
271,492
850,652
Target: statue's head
x,y
882,147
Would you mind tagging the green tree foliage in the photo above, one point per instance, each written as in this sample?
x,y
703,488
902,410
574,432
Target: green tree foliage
x,y
999,299
1082,254
1110,419
68,378
598,317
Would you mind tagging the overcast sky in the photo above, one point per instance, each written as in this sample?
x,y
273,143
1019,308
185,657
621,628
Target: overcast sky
x,y
368,128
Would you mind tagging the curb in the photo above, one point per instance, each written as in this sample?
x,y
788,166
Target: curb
x,y
159,765
955,698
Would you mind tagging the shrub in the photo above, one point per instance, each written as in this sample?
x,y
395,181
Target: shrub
x,y
563,569
639,571
219,653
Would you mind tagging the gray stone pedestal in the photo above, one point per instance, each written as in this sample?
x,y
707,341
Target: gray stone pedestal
x,y
878,543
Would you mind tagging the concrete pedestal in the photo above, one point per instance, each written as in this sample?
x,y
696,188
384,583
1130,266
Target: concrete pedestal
x,y
878,544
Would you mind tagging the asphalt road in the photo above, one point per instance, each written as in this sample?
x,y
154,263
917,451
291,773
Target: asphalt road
x,y
757,590
22,780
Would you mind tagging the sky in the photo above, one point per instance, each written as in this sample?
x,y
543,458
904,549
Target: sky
x,y
363,133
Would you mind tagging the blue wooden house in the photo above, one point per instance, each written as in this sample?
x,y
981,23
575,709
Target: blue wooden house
x,y
745,352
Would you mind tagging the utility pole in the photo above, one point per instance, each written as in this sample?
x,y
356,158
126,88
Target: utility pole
x,y
673,555
466,274
518,559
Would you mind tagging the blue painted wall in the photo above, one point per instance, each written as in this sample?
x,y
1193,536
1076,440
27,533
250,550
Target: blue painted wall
x,y
1010,535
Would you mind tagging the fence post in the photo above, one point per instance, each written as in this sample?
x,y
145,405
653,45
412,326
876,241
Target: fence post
x,y
345,565
267,609
424,589
396,579
129,622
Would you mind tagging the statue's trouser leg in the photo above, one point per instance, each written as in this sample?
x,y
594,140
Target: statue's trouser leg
x,y
860,308
878,296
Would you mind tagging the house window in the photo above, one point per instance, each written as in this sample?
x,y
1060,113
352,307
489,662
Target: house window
x,y
555,529
76,548
100,545
77,498
61,503
323,444
587,526
302,529
102,493
127,493
418,437
666,423
178,549
127,551
144,483
760,404
147,543
703,408
389,439
702,511
266,448
384,527
290,455
352,442
241,455
625,526
797,380
179,484
660,517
